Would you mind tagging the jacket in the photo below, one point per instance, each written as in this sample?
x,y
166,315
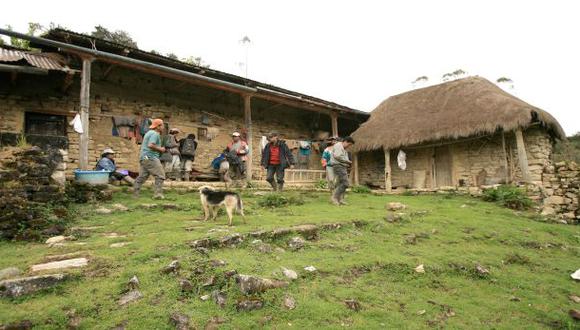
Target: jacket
x,y
105,164
339,156
286,157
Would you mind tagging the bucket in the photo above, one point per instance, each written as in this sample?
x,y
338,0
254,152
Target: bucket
x,y
92,177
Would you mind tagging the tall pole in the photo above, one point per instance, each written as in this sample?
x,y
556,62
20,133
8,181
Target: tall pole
x,y
250,133
84,112
334,123
388,182
522,155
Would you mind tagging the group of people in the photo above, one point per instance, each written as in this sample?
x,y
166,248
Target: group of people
x,y
157,158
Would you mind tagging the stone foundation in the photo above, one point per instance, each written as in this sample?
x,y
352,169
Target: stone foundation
x,y
561,190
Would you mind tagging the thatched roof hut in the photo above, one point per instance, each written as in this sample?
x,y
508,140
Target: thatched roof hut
x,y
461,108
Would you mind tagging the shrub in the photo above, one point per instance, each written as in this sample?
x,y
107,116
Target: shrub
x,y
361,190
278,200
321,184
508,196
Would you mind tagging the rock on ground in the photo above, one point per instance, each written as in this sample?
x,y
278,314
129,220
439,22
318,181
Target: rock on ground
x,y
9,272
251,284
120,244
220,298
310,269
130,297
296,243
396,206
576,275
62,264
420,269
18,325
173,267
249,305
352,304
103,210
133,283
119,207
289,273
186,286
289,302
180,321
27,285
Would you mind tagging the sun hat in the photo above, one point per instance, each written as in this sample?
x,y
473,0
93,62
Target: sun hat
x,y
108,151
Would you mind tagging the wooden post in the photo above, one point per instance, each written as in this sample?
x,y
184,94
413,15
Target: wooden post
x,y
84,112
249,132
355,168
388,182
334,123
522,155
505,159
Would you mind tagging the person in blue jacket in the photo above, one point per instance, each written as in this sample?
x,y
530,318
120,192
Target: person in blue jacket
x,y
107,163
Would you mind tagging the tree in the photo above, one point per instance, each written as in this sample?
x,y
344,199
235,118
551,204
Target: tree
x,y
118,36
172,56
453,75
505,80
419,81
197,61
33,30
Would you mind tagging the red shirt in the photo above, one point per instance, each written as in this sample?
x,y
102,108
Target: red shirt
x,y
274,155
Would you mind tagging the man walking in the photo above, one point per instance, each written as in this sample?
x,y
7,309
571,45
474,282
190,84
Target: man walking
x,y
187,148
276,157
149,163
340,162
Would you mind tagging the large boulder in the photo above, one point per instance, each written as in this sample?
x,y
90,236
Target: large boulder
x,y
27,285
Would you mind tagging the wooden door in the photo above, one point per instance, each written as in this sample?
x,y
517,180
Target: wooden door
x,y
442,170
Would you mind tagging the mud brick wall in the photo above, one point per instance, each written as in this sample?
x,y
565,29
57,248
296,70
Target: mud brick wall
x,y
560,191
123,92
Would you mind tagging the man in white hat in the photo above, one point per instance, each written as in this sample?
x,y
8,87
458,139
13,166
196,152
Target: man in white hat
x,y
107,163
240,147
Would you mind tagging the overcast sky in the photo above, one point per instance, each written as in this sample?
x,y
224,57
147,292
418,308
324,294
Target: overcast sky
x,y
355,53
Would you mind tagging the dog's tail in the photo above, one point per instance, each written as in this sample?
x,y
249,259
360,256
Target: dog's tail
x,y
240,206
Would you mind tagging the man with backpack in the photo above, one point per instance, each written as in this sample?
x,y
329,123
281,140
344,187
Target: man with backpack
x,y
187,148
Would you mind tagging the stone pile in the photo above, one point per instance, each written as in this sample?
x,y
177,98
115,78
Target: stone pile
x,y
560,192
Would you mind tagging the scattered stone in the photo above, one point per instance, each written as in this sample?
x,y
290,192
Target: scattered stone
x,y
62,264
310,269
481,270
217,263
186,286
120,326
120,244
247,305
296,243
205,297
264,248
279,250
352,304
210,281
574,298
113,235
56,239
289,302
220,298
420,269
214,322
575,314
202,251
130,297
251,284
133,283
289,273
74,320
18,325
421,312
27,285
257,241
179,321
308,231
173,267
231,240
65,256
149,206
230,273
576,275
396,206
9,272
119,207
265,320
103,210
170,206
514,298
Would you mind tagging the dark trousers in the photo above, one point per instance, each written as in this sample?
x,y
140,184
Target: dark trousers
x,y
341,177
275,169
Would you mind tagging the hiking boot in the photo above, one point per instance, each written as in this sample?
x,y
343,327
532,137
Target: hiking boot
x,y
274,186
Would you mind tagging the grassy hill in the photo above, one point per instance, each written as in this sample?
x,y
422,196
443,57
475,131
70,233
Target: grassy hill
x,y
369,261
568,150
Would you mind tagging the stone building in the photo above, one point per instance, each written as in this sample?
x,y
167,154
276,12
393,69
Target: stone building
x,y
40,92
463,133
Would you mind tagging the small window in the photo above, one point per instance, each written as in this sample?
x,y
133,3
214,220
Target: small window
x,y
44,124
202,134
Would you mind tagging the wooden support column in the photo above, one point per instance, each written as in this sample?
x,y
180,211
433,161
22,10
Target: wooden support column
x,y
355,168
505,159
334,123
84,112
522,156
249,132
388,182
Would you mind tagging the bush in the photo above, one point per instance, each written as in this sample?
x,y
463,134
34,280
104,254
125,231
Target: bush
x,y
361,190
508,196
278,200
321,184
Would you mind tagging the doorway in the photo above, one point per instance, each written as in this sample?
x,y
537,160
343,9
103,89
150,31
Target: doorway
x,y
442,167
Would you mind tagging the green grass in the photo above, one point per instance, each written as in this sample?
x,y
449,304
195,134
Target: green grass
x,y
373,264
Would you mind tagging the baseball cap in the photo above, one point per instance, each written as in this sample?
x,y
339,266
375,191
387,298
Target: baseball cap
x,y
156,123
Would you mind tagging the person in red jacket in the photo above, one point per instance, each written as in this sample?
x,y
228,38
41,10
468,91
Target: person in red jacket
x,y
276,157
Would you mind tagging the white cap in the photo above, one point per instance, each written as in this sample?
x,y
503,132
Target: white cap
x,y
108,151
236,134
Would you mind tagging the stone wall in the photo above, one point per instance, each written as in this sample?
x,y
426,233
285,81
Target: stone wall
x,y
560,191
475,162
129,93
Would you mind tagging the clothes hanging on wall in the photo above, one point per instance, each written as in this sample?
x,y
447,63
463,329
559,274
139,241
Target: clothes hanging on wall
x,y
304,151
125,126
77,124
402,160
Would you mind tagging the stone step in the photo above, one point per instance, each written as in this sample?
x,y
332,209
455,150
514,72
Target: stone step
x,y
62,264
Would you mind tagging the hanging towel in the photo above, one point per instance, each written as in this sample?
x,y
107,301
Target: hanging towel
x,y
402,160
77,124
263,142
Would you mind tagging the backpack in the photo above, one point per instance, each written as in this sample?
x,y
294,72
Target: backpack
x,y
188,148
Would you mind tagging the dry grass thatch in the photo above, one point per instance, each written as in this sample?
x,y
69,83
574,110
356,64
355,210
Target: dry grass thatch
x,y
460,108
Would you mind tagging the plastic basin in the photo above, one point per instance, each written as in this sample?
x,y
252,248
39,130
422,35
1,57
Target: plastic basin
x,y
92,177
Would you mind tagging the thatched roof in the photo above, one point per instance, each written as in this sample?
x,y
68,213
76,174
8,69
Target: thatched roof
x,y
460,108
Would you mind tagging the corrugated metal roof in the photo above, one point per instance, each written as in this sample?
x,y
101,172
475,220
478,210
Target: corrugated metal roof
x,y
45,61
